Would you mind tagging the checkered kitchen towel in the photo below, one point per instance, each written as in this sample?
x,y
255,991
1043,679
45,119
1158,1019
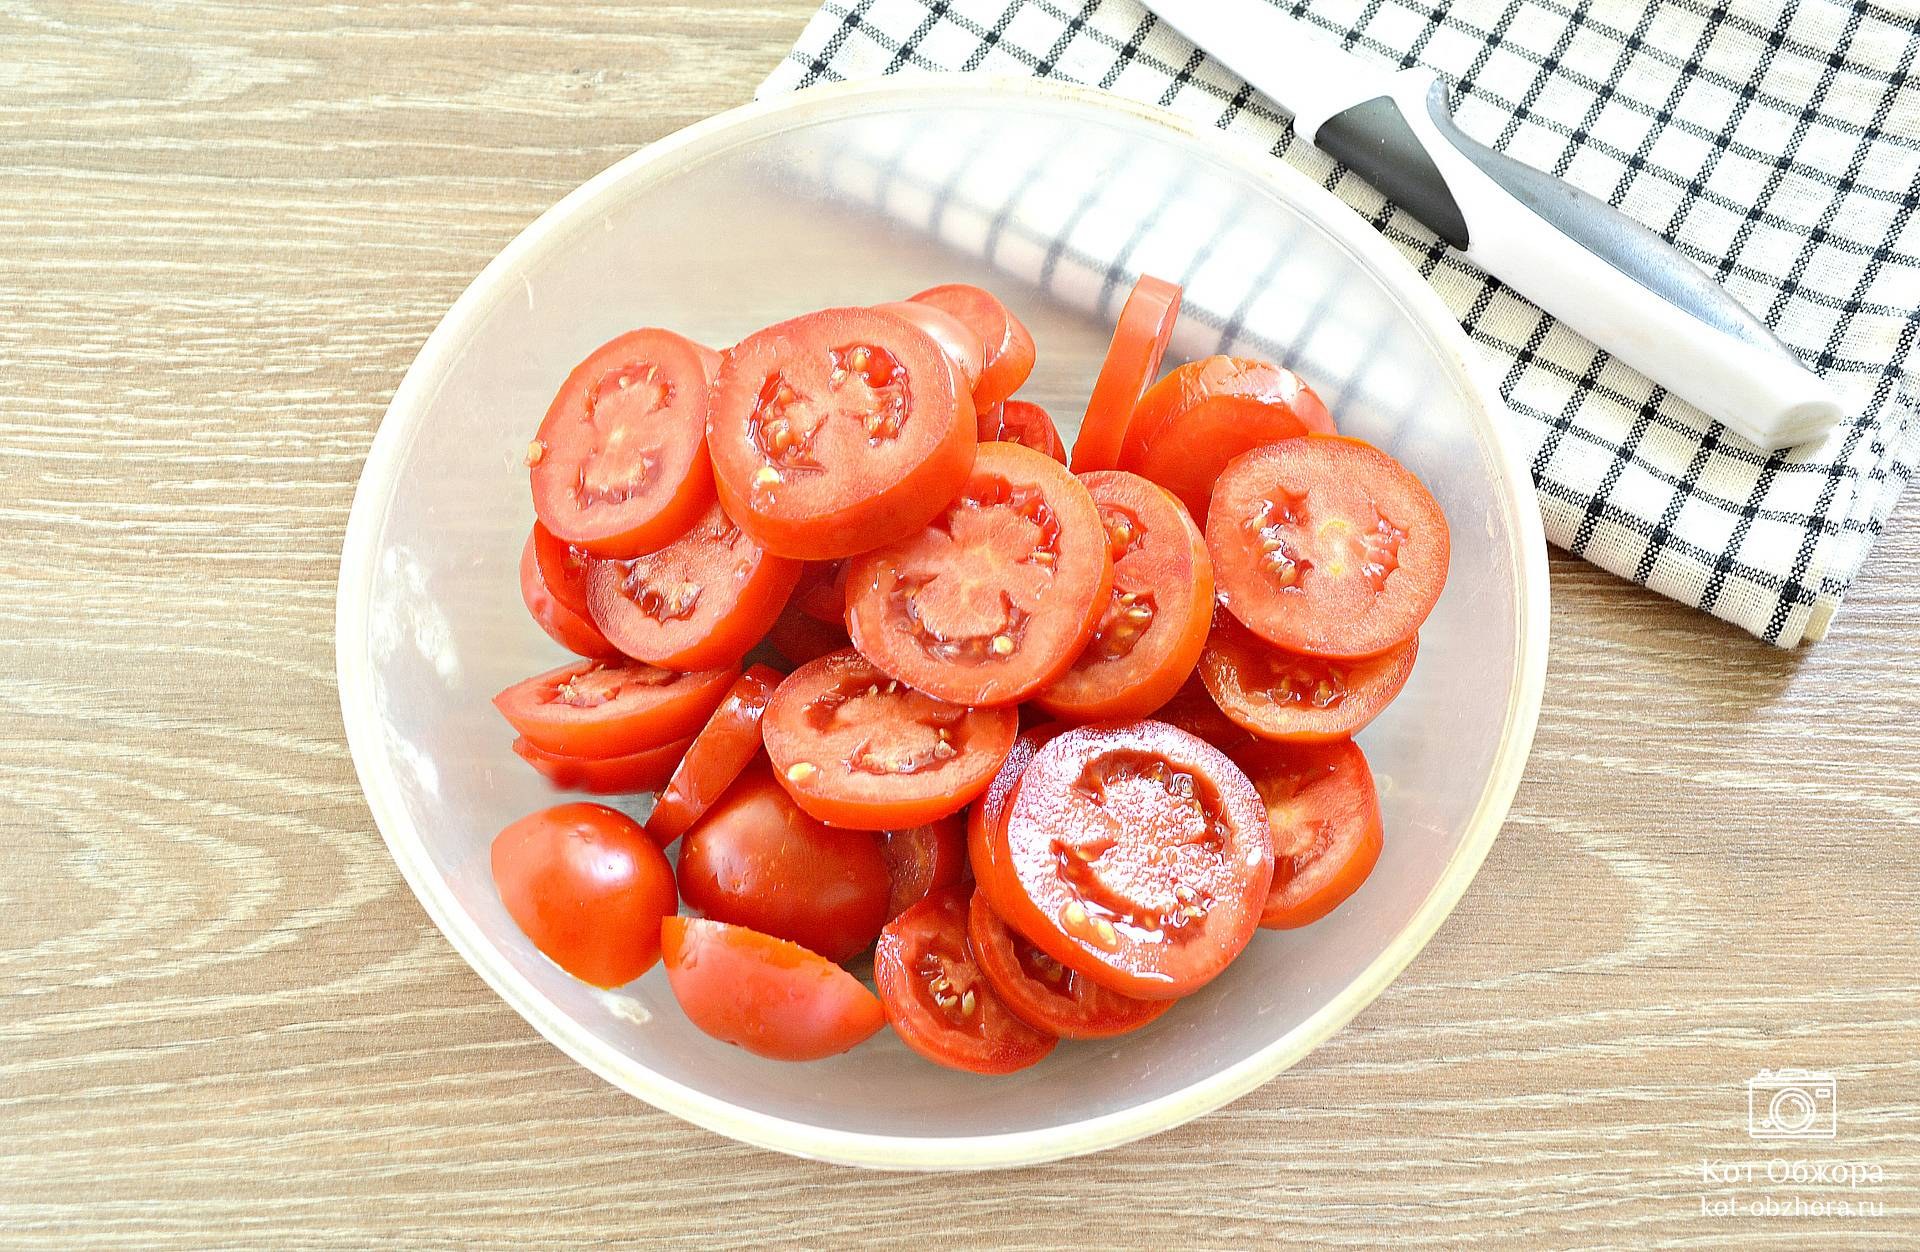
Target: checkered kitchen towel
x,y
1777,143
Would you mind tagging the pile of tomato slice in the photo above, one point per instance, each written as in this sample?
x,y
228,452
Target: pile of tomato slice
x,y
1051,744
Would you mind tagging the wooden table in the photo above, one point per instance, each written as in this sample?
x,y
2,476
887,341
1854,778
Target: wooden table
x,y
227,229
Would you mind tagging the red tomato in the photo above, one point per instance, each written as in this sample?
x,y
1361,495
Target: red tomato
x,y
1042,992
858,749
619,465
716,756
771,997
836,431
1139,345
1205,413
801,638
1327,546
563,626
1008,347
1157,613
1135,854
1029,425
1325,818
989,809
937,999
701,601
822,592
589,889
924,858
1289,696
756,860
634,772
956,338
611,708
563,568
1192,709
996,597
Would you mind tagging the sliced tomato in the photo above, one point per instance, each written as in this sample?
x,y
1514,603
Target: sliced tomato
x,y
625,775
1327,546
1009,352
1029,425
701,601
1136,854
1206,412
619,465
989,809
1157,613
771,997
822,592
1042,992
839,430
715,757
997,595
956,338
562,624
563,568
1324,812
801,638
924,858
1293,697
1139,345
1193,710
937,999
611,708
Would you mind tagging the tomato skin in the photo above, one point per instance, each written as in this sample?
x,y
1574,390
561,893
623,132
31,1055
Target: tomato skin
x,y
714,757
800,637
989,809
625,775
1278,695
1029,425
586,885
937,999
1324,812
574,633
922,859
956,338
1139,345
771,997
1043,993
563,568
1009,351
610,708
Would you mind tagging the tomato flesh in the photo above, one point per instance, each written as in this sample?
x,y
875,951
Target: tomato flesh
x,y
625,775
771,997
822,592
565,627
801,638
1042,992
563,568
1293,697
1008,347
1139,345
922,859
1029,425
715,757
611,708
1193,710
1324,813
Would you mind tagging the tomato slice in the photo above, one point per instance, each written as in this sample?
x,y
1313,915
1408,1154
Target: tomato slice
x,y
619,465
801,638
611,708
922,859
700,602
716,756
563,568
937,999
1139,345
1135,854
1042,992
1206,412
1029,425
955,337
1157,613
1324,812
588,888
625,775
858,749
1193,710
771,997
1293,697
1009,351
989,809
562,624
1326,545
836,431
822,592
996,597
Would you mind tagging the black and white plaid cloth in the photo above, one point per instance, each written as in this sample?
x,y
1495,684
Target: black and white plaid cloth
x,y
1777,143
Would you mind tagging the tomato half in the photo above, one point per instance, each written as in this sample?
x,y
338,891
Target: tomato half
x,y
611,708
1029,425
1206,412
1009,351
1324,812
1041,991
619,465
625,775
801,638
1326,545
1139,345
989,809
997,595
939,1002
771,997
563,568
716,756
1193,710
1136,854
1157,613
858,749
955,337
1293,697
836,431
922,859
587,886
562,624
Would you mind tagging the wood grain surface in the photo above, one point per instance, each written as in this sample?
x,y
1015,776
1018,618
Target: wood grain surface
x,y
224,232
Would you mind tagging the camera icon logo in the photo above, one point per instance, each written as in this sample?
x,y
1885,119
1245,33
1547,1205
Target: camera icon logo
x,y
1792,1104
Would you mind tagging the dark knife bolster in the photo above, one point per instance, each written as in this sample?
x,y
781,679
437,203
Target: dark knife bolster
x,y
1373,139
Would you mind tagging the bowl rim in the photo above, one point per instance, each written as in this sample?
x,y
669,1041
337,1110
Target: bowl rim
x,y
499,280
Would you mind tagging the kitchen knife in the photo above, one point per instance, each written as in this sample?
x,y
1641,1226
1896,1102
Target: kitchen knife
x,y
1593,267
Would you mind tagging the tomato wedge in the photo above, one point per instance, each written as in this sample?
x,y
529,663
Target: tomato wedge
x,y
1157,613
610,708
619,465
625,775
1139,345
858,749
701,601
562,624
801,638
771,997
836,431
956,338
563,568
1042,992
716,756
1029,425
1135,854
937,999
1326,545
1325,816
922,859
1206,412
1296,698
1008,348
997,595
989,809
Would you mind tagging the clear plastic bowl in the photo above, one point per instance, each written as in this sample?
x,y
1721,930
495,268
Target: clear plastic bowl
x,y
1054,197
